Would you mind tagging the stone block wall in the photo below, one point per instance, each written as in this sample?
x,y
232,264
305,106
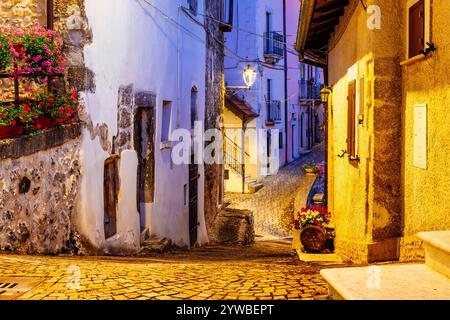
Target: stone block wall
x,y
214,106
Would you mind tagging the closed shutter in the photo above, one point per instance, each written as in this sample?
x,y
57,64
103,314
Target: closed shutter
x,y
417,28
351,127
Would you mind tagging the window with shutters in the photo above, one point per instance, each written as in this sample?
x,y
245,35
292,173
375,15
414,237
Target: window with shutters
x,y
351,123
418,26
416,29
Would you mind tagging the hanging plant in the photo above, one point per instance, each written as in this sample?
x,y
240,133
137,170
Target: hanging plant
x,y
32,50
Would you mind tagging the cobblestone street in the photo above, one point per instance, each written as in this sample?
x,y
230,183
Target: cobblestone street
x,y
272,206
266,270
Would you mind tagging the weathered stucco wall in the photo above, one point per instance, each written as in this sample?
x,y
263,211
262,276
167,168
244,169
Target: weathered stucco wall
x,y
364,195
152,54
426,192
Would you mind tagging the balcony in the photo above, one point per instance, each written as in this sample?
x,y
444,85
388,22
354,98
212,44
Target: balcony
x,y
273,112
273,47
309,91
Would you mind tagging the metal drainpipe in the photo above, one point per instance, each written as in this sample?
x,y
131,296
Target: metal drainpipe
x,y
285,84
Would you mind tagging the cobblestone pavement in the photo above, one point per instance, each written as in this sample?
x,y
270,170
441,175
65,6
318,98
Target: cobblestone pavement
x,y
264,271
272,206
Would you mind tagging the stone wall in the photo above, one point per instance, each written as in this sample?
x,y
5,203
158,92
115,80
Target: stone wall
x,y
37,193
214,106
40,175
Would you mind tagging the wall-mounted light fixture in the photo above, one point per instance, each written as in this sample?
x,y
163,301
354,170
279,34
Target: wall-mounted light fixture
x,y
325,94
249,76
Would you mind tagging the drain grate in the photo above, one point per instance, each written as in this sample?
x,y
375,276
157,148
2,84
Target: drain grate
x,y
13,287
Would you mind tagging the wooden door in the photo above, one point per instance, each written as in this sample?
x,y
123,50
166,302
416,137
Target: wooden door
x,y
193,201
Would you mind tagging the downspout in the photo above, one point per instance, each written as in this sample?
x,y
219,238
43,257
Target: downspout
x,y
285,85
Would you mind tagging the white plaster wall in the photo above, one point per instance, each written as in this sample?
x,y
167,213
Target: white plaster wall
x,y
135,44
292,14
246,40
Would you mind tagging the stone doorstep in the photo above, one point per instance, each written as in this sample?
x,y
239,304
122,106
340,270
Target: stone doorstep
x,y
323,258
437,250
387,282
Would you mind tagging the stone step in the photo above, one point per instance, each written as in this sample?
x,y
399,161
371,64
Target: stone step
x,y
155,245
437,250
387,282
254,186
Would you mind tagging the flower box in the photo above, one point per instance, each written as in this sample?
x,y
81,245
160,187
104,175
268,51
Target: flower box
x,y
10,131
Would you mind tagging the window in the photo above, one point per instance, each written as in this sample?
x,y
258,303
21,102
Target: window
x,y
193,107
193,6
226,15
416,28
166,121
351,125
268,22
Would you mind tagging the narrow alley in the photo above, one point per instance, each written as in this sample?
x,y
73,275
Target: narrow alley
x,y
273,205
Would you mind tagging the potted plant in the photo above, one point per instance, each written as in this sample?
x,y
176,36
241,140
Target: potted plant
x,y
311,223
13,119
53,111
311,168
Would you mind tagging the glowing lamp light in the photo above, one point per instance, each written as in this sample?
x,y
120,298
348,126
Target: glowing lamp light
x,y
325,94
249,76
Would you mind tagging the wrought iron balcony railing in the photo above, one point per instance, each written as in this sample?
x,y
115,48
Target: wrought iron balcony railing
x,y
273,46
274,111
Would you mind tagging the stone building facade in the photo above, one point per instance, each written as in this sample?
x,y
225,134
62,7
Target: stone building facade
x,y
112,183
378,195
214,106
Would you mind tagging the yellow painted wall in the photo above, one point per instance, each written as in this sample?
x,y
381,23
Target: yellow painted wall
x,y
427,192
364,196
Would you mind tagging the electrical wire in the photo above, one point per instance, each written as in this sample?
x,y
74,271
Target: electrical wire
x,y
234,56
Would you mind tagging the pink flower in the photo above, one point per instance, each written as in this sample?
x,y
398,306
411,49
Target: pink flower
x,y
46,64
37,58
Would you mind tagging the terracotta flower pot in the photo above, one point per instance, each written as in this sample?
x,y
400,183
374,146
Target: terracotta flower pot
x,y
10,131
313,239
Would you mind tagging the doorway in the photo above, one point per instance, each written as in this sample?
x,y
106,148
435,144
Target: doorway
x,y
144,145
193,201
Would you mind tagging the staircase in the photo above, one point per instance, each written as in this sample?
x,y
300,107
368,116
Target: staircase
x,y
234,161
429,281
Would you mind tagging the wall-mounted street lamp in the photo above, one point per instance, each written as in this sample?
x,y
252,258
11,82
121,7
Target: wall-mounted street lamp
x,y
249,76
325,94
